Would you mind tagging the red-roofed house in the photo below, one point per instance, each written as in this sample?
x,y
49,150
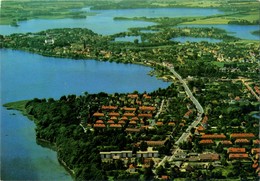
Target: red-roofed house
x,y
99,122
242,135
233,156
98,114
236,150
226,143
206,142
133,122
171,123
146,108
159,123
187,114
132,95
110,122
129,109
213,136
99,125
145,115
115,126
115,114
129,114
242,141
255,150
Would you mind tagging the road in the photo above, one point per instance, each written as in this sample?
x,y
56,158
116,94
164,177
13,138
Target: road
x,y
188,91
194,124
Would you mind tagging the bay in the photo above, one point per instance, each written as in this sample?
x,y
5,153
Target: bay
x,y
239,31
26,76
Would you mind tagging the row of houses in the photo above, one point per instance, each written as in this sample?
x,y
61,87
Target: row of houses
x,y
129,154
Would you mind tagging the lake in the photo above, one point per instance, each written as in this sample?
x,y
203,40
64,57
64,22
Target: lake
x,y
104,23
128,39
184,39
26,76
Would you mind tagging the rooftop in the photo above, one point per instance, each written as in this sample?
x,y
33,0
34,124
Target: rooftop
x,y
236,150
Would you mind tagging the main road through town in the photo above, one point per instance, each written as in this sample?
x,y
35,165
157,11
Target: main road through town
x,y
195,123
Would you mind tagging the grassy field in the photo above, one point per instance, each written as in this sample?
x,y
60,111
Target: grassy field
x,y
19,105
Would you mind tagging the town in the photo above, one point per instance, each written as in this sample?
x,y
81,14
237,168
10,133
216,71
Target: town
x,y
203,126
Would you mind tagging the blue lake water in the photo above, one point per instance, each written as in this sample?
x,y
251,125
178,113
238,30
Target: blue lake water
x,y
26,76
184,39
104,23
240,31
128,39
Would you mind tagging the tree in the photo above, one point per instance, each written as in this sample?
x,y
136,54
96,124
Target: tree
x,y
143,146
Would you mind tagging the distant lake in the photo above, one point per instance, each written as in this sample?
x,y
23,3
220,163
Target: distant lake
x,y
240,31
184,39
128,39
104,23
26,76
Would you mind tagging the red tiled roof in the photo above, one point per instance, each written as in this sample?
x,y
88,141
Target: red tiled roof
x,y
135,118
159,123
213,136
129,114
187,114
246,141
165,177
147,108
255,150
115,126
236,150
99,126
110,122
226,142
171,123
98,114
238,156
255,165
124,118
132,122
109,107
132,95
206,142
200,128
121,122
147,96
242,135
113,118
99,122
145,115
114,114
129,108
